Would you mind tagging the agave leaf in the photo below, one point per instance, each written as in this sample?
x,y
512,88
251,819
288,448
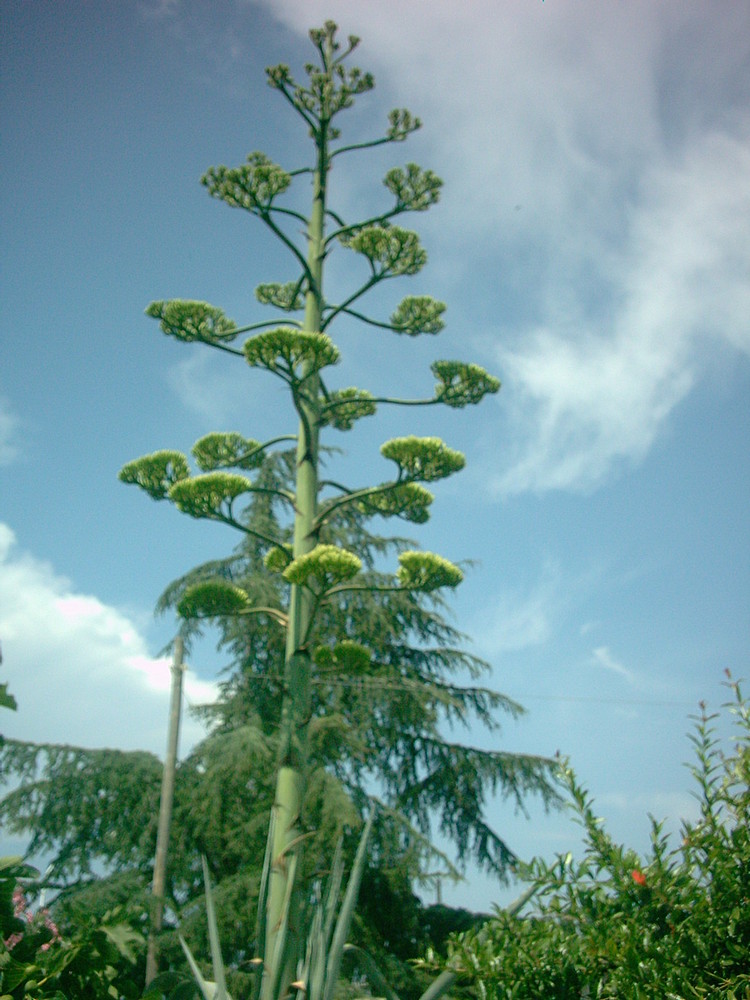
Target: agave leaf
x,y
440,986
260,927
375,977
213,937
207,988
277,959
314,970
336,950
334,888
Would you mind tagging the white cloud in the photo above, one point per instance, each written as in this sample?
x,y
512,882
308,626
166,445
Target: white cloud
x,y
79,670
631,239
518,620
8,428
603,658
583,400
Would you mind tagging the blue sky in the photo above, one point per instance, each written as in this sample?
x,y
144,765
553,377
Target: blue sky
x,y
592,244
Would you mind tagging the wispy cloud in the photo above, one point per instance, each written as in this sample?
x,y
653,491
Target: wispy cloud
x,y
602,657
520,619
599,165
79,669
584,399
9,424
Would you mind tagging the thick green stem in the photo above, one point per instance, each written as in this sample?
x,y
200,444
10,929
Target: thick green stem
x,y
283,922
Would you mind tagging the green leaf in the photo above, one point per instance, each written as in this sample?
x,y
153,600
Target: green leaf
x,y
391,250
347,405
157,473
460,384
212,599
189,321
415,189
226,451
253,186
418,314
284,350
423,458
204,496
327,564
6,699
426,571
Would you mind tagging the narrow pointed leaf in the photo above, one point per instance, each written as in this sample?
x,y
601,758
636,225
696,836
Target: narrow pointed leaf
x,y
343,923
213,936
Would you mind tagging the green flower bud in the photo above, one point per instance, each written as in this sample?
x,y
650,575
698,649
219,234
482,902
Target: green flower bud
x,y
424,459
156,473
287,297
415,189
407,500
253,186
418,314
278,558
460,384
391,250
204,496
226,451
426,571
284,350
326,564
346,657
347,405
189,321
211,599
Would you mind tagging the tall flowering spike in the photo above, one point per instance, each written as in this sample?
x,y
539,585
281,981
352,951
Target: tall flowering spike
x,y
327,565
409,501
460,384
415,189
189,320
253,186
283,351
423,458
212,599
345,406
208,495
227,451
156,473
391,250
418,314
425,571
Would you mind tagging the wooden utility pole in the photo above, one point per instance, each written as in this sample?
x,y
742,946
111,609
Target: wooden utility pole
x,y
165,812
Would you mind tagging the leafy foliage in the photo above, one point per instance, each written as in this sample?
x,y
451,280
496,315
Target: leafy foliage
x,y
673,924
95,958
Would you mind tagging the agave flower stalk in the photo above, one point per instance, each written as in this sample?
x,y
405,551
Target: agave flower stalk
x,y
300,352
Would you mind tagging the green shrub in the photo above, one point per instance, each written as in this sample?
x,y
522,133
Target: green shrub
x,y
674,924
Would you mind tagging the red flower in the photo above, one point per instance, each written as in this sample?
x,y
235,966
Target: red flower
x,y
638,877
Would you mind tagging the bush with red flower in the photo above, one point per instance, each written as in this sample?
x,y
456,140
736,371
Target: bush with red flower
x,y
674,924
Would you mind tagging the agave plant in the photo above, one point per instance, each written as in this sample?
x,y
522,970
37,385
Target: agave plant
x,y
326,948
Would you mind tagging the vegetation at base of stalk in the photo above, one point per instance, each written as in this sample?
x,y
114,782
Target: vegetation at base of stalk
x,y
672,924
